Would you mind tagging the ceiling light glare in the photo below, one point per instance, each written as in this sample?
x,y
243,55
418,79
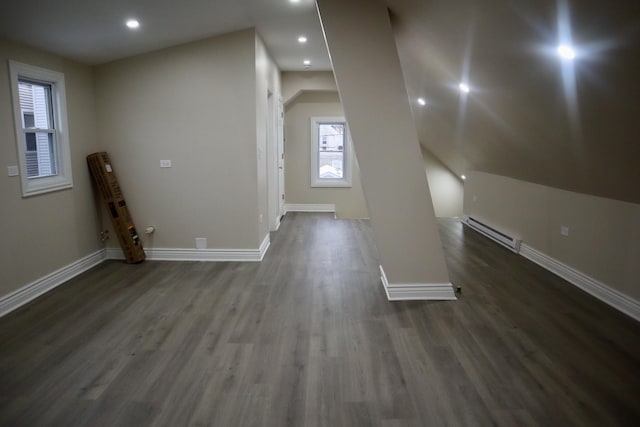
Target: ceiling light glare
x,y
294,1
306,62
566,52
133,23
302,39
464,88
463,177
422,102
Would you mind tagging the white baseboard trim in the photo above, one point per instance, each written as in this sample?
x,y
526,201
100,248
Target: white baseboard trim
x,y
29,292
184,254
116,253
264,246
604,293
292,207
417,291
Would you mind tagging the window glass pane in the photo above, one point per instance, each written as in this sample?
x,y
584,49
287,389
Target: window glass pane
x,y
29,120
35,101
330,164
331,136
331,150
36,107
31,142
40,155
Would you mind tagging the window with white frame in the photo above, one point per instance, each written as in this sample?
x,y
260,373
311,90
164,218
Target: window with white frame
x,y
39,106
330,152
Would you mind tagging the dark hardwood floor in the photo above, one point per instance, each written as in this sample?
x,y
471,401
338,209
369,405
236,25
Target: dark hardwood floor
x,y
308,338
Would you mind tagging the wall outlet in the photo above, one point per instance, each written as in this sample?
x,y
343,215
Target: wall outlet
x,y
475,198
201,243
260,218
165,163
564,230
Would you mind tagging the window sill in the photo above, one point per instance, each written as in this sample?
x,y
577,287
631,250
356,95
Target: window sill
x,y
331,184
49,188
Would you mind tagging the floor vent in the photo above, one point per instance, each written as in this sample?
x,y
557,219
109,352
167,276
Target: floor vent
x,y
511,243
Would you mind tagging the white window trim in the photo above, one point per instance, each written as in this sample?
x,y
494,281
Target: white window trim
x,y
316,181
63,179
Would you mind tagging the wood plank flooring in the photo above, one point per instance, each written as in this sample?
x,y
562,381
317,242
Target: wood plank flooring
x,y
307,338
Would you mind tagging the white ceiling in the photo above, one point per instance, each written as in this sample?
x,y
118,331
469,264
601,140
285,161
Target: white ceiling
x,y
529,115
94,32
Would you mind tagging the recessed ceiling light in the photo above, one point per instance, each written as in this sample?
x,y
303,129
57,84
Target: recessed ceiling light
x,y
302,39
464,88
294,1
566,52
463,177
422,102
306,62
133,23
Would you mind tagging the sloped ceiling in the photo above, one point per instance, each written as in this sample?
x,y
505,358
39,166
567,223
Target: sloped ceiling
x,y
573,125
530,115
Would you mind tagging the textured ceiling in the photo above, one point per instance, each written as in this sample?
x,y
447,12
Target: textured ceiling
x,y
529,115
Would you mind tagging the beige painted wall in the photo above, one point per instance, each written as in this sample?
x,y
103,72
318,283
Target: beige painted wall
x,y
43,233
604,234
195,105
365,62
295,83
315,93
447,190
350,202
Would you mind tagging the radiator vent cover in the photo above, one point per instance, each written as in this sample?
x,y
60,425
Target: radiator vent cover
x,y
509,242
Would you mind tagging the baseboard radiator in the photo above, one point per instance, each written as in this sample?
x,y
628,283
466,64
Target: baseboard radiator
x,y
509,242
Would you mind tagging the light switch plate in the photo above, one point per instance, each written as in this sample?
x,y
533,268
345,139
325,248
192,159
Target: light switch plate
x,y
165,163
12,171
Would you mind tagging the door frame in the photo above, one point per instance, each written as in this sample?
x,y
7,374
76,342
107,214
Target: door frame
x,y
275,159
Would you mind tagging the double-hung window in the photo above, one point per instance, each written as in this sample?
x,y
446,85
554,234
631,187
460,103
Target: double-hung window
x,y
330,152
39,106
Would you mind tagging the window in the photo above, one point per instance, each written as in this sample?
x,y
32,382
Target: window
x,y
330,152
39,106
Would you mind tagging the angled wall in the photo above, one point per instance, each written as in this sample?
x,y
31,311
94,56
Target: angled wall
x,y
446,188
371,86
295,83
603,239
